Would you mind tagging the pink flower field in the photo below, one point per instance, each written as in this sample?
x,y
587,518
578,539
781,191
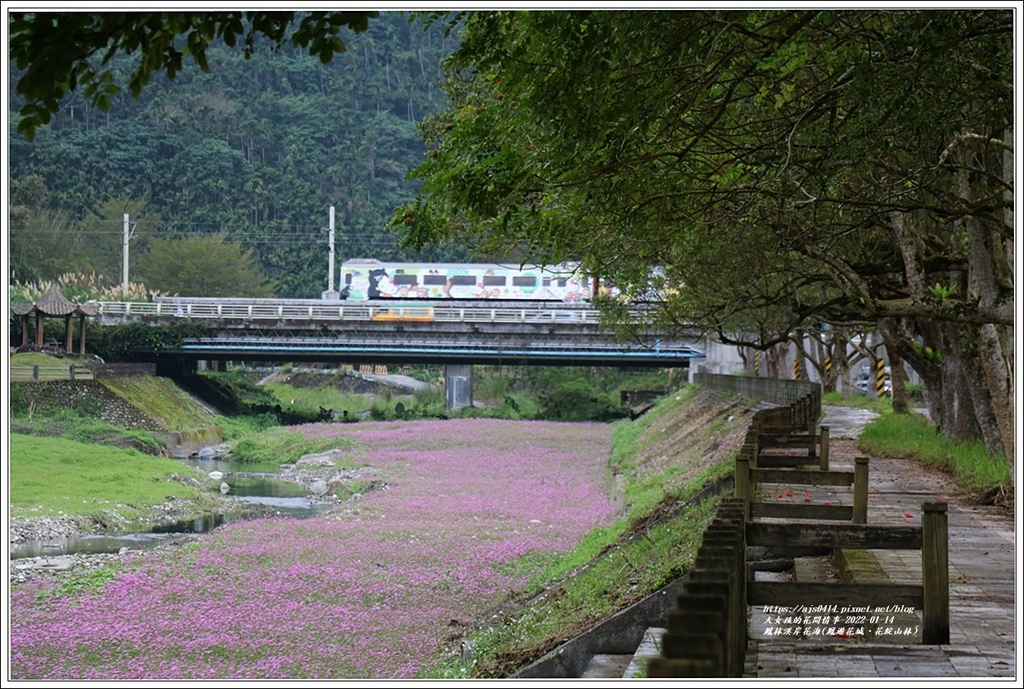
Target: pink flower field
x,y
376,589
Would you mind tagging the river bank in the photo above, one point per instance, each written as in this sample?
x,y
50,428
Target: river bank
x,y
384,574
325,485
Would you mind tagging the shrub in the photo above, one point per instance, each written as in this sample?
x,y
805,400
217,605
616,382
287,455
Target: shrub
x,y
578,401
279,445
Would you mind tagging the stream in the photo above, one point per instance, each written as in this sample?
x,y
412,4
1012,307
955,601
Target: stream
x,y
257,489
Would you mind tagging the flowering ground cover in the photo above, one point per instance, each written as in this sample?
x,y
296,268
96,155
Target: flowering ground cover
x,y
378,589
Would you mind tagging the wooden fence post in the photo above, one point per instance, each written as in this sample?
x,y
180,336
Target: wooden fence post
x,y
743,488
35,372
860,490
823,459
935,572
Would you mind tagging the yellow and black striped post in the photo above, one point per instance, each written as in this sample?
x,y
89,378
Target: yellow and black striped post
x,y
880,378
796,367
828,366
757,364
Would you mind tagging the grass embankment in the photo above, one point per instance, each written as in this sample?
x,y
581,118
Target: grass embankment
x,y
125,412
162,400
279,445
309,400
661,462
52,477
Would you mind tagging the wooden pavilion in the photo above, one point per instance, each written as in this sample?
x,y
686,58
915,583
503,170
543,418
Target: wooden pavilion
x,y
54,305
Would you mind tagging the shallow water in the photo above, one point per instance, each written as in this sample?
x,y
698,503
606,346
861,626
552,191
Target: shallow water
x,y
257,490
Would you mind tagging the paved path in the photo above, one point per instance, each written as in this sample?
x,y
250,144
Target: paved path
x,y
984,619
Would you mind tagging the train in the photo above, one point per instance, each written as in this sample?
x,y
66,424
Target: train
x,y
366,279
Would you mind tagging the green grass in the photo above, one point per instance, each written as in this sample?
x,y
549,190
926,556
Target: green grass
x,y
40,359
911,435
45,361
237,427
313,399
78,583
882,405
56,476
72,426
160,399
914,436
280,445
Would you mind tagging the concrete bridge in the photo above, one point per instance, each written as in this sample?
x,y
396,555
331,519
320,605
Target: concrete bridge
x,y
457,335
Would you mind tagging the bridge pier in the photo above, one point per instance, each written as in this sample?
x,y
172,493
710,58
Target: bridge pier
x,y
458,386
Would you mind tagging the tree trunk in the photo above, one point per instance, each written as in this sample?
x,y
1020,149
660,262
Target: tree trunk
x,y
898,381
982,399
960,422
900,338
840,361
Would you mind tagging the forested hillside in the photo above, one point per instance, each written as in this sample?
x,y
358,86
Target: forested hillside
x,y
258,149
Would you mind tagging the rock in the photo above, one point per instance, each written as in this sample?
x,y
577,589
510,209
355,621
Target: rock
x,y
319,458
224,488
206,453
318,488
338,486
185,480
216,475
55,564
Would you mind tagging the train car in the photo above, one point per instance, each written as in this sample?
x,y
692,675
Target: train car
x,y
363,279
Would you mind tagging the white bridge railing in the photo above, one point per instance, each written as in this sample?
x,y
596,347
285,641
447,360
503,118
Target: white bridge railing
x,y
282,310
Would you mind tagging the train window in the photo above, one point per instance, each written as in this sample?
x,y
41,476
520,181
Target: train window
x,y
524,281
435,279
559,281
404,279
348,278
494,280
463,280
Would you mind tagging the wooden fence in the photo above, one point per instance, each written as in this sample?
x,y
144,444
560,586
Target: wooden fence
x,y
707,632
79,372
44,373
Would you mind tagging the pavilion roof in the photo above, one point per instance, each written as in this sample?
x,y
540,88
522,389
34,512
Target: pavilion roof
x,y
54,303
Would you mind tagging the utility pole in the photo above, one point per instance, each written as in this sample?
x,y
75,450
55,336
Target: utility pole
x,y
330,254
124,257
330,293
129,231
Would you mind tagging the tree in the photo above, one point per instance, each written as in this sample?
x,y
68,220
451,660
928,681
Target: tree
x,y
780,169
260,147
38,236
200,266
62,51
101,236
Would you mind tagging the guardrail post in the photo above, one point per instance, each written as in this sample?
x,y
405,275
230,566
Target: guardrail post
x,y
35,372
823,458
935,573
71,372
860,490
743,488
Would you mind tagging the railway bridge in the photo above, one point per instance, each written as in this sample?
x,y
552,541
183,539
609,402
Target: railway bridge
x,y
455,334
